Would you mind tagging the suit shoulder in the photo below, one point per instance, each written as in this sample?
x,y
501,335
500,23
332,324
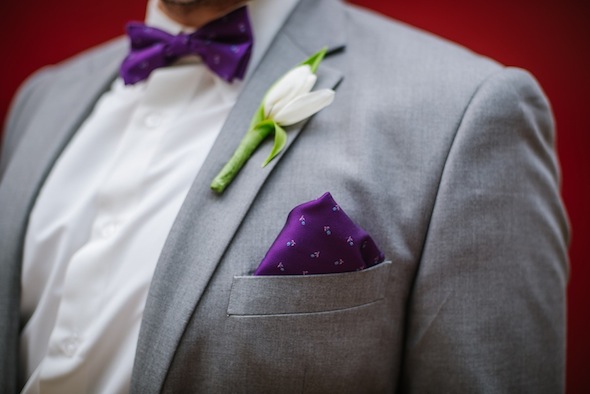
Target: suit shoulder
x,y
412,52
35,90
91,59
413,70
88,61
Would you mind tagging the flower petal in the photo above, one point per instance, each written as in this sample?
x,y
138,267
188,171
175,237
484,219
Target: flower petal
x,y
303,107
287,86
303,89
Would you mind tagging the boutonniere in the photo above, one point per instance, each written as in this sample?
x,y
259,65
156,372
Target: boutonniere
x,y
288,101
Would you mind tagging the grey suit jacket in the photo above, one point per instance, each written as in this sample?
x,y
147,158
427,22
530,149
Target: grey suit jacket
x,y
446,158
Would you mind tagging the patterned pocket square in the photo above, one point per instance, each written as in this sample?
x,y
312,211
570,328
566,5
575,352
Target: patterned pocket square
x,y
319,238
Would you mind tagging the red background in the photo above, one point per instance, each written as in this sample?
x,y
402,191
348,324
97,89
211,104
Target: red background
x,y
547,37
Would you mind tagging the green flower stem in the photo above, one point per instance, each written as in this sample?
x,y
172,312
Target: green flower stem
x,y
248,145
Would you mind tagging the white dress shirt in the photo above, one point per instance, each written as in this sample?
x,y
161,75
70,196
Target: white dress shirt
x,y
102,217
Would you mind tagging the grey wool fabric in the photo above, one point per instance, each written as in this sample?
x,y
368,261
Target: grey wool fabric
x,y
446,158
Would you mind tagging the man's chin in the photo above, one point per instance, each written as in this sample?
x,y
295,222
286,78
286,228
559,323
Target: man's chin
x,y
202,3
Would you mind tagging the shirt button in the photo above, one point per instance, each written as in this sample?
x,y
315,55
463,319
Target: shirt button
x,y
153,120
69,346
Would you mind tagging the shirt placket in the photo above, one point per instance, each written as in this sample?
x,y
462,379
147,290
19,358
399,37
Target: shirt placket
x,y
87,283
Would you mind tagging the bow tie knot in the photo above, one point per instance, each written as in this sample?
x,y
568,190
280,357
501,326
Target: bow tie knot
x,y
180,45
224,45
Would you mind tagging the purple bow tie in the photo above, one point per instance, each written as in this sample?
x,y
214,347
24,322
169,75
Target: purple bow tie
x,y
319,238
224,45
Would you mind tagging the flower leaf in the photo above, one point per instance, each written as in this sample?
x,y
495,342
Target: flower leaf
x,y
257,118
314,60
280,141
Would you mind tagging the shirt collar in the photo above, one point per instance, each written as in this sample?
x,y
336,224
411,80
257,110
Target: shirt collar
x,y
267,18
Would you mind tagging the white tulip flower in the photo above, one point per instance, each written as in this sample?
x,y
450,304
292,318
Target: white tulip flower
x,y
289,101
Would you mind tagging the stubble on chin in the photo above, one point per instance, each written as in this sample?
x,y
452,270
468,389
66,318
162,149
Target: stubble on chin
x,y
202,3
197,13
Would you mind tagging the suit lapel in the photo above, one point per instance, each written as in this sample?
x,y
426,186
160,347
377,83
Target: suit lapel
x,y
42,142
208,222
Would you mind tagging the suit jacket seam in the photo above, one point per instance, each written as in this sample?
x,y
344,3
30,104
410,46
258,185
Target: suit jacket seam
x,y
448,153
409,301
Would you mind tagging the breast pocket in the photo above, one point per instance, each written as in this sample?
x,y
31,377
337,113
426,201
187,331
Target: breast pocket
x,y
294,294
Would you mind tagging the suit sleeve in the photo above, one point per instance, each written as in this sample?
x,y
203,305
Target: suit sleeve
x,y
487,308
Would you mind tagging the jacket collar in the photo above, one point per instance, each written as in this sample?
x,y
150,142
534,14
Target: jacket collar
x,y
208,221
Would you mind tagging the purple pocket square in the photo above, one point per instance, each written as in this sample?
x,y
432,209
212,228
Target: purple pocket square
x,y
319,238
